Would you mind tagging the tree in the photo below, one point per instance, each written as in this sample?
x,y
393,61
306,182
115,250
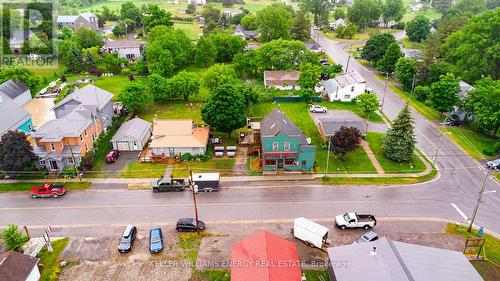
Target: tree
x,y
223,22
107,14
422,92
205,51
110,63
344,140
309,76
393,10
444,93
388,62
119,30
364,12
301,28
274,22
227,45
377,45
418,28
135,97
339,13
474,50
28,77
74,60
246,65
249,22
225,109
88,38
169,51
251,96
156,16
405,71
158,31
284,55
484,102
369,103
210,14
441,5
191,8
185,84
217,75
89,60
328,72
399,141
13,239
320,10
15,152
346,31
5,50
130,11
159,88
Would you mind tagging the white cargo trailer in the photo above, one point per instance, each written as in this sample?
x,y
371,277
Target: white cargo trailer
x,y
311,233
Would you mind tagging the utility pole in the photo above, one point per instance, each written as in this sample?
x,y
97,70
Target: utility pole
x,y
480,196
348,58
385,89
74,163
413,84
194,189
328,155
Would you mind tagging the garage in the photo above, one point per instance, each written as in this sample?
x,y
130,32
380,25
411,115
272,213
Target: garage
x,y
133,135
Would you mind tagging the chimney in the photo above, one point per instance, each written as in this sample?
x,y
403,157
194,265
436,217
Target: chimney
x,y
374,251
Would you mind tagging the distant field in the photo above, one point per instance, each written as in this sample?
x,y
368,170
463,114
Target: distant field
x,y
191,28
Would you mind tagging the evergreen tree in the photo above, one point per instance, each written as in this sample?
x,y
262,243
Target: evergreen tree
x,y
89,61
223,22
74,60
399,141
388,62
13,238
301,28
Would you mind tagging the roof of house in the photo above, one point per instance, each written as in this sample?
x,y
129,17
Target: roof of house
x,y
343,80
265,257
88,15
125,43
71,125
66,19
464,89
89,95
11,114
331,123
135,129
397,261
178,133
15,266
339,21
312,46
239,28
13,88
276,122
281,77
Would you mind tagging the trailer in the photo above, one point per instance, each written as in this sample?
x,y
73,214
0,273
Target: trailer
x,y
206,182
313,234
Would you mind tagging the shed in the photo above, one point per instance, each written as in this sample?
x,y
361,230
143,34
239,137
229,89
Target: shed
x,y
15,266
265,256
328,124
132,135
16,90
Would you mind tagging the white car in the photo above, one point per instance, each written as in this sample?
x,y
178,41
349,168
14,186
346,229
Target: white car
x,y
494,164
317,109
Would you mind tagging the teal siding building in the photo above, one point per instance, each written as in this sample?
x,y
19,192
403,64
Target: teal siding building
x,y
13,116
284,146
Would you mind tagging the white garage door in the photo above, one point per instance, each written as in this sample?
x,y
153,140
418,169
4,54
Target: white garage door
x,y
123,145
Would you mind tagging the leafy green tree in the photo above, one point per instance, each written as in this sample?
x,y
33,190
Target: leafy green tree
x,y
135,97
484,102
218,74
442,5
227,45
346,31
225,109
369,103
249,22
168,52
405,71
28,77
110,63
364,12
191,8
388,62
474,50
130,11
89,60
274,22
13,239
65,33
185,84
246,65
418,28
227,3
251,96
393,10
107,14
301,28
319,8
339,13
15,152
284,55
309,76
158,31
205,51
156,16
376,46
399,141
5,50
444,93
328,72
210,14
344,140
74,60
88,38
119,30
421,93
159,88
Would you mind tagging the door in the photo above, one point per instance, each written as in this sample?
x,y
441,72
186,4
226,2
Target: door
x,y
122,146
53,165
135,146
171,152
280,163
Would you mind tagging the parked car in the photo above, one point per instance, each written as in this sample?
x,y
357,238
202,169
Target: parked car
x,y
112,156
494,164
317,109
47,190
155,240
453,122
369,90
323,60
188,224
353,220
127,239
370,236
168,184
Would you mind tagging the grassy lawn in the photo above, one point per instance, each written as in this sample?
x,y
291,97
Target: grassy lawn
x,y
112,84
49,262
223,166
431,14
491,249
360,36
415,165
315,275
191,28
379,181
428,112
411,45
189,243
12,187
143,170
173,110
211,275
471,141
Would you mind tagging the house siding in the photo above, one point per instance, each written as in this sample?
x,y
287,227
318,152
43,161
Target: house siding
x,y
346,94
27,126
297,151
178,150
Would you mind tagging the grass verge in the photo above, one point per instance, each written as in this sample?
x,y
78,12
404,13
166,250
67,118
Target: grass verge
x,y
18,186
316,275
223,166
189,243
428,112
491,249
212,275
379,181
49,262
143,170
474,143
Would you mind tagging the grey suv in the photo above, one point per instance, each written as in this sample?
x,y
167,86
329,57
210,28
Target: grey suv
x,y
127,239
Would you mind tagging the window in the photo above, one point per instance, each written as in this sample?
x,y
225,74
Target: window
x,y
86,147
81,137
42,162
347,97
52,147
70,160
269,162
85,131
93,137
290,161
275,146
286,146
304,162
352,88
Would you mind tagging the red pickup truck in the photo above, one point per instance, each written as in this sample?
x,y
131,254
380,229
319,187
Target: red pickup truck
x,y
47,190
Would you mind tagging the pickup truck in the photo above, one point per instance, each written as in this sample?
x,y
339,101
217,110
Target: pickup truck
x,y
168,184
47,190
353,220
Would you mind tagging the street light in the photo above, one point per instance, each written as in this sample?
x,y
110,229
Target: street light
x,y
480,196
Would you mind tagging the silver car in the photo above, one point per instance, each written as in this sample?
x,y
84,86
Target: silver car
x,y
370,236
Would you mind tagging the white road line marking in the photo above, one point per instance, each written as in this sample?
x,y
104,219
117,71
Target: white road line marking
x,y
460,212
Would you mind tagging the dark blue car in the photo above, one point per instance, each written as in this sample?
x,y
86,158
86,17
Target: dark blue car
x,y
155,240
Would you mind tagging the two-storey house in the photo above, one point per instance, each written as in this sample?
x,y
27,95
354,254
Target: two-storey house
x,y
284,146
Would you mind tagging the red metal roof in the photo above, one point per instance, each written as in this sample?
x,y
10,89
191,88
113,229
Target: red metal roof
x,y
265,257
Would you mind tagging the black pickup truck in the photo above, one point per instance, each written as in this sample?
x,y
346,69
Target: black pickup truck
x,y
168,184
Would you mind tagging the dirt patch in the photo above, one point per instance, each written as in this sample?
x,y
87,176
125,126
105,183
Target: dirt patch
x,y
487,270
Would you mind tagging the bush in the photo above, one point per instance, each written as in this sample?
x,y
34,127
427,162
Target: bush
x,y
126,71
187,157
421,92
496,147
68,172
399,25
13,239
87,161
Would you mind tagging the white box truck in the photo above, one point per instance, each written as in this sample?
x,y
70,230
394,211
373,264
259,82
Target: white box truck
x,y
313,234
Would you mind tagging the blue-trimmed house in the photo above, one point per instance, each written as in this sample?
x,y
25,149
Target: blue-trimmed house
x,y
13,116
284,146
